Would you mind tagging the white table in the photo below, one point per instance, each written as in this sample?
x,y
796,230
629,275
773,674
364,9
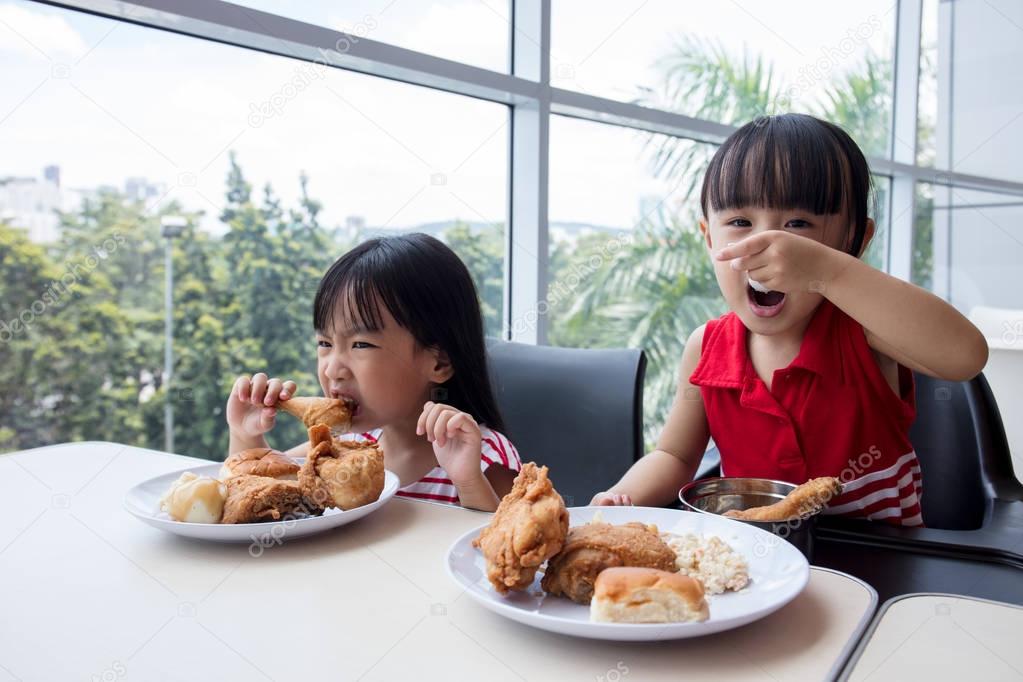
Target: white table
x,y
88,592
941,637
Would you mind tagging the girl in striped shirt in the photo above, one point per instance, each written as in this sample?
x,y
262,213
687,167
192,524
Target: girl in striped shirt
x,y
809,374
399,331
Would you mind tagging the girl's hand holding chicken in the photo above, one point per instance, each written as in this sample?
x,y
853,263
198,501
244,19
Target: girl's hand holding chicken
x,y
252,411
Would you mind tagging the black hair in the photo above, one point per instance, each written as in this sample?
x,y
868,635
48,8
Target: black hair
x,y
429,292
791,161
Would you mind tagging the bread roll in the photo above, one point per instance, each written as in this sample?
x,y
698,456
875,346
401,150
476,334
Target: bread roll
x,y
628,594
260,462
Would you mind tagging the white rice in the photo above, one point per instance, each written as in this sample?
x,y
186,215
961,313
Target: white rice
x,y
710,560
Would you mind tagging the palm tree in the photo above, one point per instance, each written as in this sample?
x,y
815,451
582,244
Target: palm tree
x,y
651,296
661,286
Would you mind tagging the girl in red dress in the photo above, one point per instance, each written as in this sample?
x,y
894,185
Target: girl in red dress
x,y
809,374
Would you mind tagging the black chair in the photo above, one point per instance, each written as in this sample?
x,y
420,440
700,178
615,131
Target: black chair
x,y
972,501
579,411
963,452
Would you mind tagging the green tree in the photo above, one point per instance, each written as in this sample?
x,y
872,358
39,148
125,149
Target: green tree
x,y
274,260
72,371
482,251
28,337
923,237
81,355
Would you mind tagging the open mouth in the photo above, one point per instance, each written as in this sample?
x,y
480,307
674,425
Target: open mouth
x,y
765,304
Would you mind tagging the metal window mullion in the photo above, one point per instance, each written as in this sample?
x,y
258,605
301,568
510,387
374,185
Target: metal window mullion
x,y
906,88
527,233
602,110
240,26
941,254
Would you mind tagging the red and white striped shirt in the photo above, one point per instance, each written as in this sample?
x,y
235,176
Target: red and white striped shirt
x,y
436,485
829,413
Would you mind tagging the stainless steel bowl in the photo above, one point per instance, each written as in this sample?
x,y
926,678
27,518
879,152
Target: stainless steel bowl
x,y
718,495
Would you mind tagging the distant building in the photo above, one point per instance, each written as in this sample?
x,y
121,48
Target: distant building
x,y
354,226
32,204
52,174
140,189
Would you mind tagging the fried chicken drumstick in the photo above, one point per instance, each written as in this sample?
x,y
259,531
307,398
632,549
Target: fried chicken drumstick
x,y
336,413
805,500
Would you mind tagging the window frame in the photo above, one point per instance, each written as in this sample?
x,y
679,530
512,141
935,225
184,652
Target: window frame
x,y
527,91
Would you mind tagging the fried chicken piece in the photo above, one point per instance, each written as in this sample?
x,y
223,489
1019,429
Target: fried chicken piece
x,y
339,473
252,499
336,413
594,546
528,528
260,462
805,500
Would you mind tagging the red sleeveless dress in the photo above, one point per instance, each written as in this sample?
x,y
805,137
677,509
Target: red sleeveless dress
x,y
829,413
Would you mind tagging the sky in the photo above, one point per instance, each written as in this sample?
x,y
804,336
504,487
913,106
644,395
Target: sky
x,y
108,100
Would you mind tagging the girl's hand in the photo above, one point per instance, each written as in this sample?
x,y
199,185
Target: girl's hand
x,y
783,261
611,500
251,410
456,438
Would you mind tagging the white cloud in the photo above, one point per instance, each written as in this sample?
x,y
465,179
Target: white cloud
x,y
45,33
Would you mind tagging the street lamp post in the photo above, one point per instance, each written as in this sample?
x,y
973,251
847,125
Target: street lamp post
x,y
171,227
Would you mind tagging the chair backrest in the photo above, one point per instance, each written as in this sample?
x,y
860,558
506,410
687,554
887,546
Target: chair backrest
x,y
964,456
579,411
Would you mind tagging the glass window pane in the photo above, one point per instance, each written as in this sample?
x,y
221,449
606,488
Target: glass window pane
x,y
922,270
730,63
877,252
628,266
461,30
969,244
277,166
978,110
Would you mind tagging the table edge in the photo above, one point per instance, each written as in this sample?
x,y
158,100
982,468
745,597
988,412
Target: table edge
x,y
42,449
858,632
850,664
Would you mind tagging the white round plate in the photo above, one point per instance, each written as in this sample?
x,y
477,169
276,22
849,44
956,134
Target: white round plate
x,y
143,501
778,572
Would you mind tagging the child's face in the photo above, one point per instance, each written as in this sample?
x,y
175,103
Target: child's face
x,y
733,225
385,372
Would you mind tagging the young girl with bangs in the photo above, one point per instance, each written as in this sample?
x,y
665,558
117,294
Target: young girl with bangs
x,y
809,374
399,331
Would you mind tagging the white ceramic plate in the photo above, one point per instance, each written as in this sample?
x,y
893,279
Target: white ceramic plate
x,y
143,501
778,572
